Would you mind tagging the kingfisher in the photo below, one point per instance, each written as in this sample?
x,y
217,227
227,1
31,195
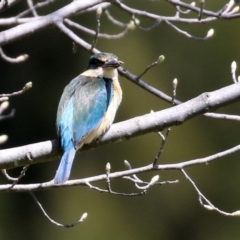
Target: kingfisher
x,y
87,108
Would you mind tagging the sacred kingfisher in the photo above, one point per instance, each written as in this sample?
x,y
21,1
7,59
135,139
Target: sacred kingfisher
x,y
87,108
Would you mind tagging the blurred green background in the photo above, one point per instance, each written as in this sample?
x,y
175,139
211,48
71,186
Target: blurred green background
x,y
166,212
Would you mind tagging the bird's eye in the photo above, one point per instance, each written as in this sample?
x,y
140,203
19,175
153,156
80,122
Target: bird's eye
x,y
96,62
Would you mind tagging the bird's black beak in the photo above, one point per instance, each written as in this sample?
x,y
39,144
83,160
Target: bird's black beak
x,y
112,64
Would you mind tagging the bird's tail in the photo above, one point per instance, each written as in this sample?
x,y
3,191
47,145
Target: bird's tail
x,y
65,166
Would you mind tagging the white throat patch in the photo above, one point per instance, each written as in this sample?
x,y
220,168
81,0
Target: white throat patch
x,y
110,72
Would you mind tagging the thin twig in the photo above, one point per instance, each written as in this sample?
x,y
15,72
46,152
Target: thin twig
x,y
100,35
7,116
18,59
133,178
185,33
201,10
164,139
150,167
155,24
32,8
8,177
129,167
133,78
113,20
233,71
159,60
20,176
83,217
116,193
144,182
25,88
98,15
108,168
186,11
228,7
223,116
207,205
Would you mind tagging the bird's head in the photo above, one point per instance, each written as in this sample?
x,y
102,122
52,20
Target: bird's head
x,y
105,63
104,60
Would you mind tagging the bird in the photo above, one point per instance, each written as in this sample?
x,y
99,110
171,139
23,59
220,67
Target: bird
x,y
87,109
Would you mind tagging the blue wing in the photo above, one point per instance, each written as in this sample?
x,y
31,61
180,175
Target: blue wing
x,y
81,110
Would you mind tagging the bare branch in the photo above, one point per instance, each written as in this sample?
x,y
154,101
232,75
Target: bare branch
x,y
25,88
186,33
20,176
159,60
202,2
134,79
233,71
100,35
164,138
98,15
207,205
15,21
8,177
134,177
32,8
228,7
38,24
46,151
73,36
86,181
114,21
83,217
155,24
109,190
18,59
223,116
153,122
5,4
204,12
186,11
7,116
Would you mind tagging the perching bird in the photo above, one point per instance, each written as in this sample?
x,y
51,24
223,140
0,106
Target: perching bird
x,y
87,108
